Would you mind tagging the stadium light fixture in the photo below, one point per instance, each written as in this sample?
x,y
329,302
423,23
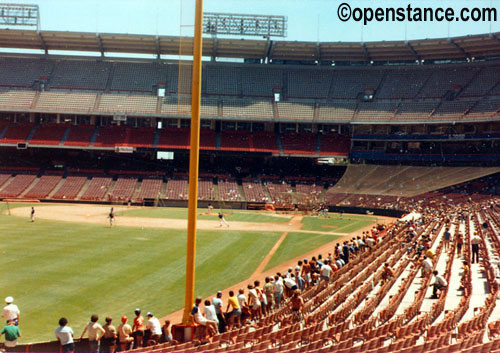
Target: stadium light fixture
x,y
247,25
19,15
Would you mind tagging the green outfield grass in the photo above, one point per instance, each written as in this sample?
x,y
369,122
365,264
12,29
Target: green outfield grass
x,y
296,244
230,215
348,223
54,270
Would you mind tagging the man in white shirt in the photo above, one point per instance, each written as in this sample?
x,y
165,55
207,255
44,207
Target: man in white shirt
x,y
278,290
326,270
439,283
154,326
475,241
219,305
93,328
64,335
11,311
426,266
210,312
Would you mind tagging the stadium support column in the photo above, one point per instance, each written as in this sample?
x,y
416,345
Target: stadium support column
x,y
193,163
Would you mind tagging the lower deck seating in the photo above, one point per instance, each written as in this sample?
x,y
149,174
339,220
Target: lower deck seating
x,y
97,189
43,187
17,185
150,189
70,188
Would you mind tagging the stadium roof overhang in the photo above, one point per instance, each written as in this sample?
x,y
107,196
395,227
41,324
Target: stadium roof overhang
x,y
457,48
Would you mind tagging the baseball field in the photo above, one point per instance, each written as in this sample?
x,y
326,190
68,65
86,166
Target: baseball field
x,y
71,263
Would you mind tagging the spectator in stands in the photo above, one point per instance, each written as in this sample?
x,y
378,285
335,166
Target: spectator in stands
x,y
297,304
124,331
460,243
209,312
254,302
219,308
326,271
167,332
11,311
426,266
290,285
268,292
475,241
138,329
438,285
235,314
278,291
12,333
64,335
447,238
108,340
154,327
262,297
245,310
95,332
387,274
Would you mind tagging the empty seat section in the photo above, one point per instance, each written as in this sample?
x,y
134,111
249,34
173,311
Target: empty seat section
x,y
97,189
235,141
304,143
79,135
209,106
123,190
254,191
150,189
177,189
221,80
43,187
296,109
23,72
141,137
207,139
206,190
264,141
379,111
17,185
16,99
127,103
309,83
486,107
337,110
49,134
73,101
80,74
452,109
335,144
228,190
110,136
444,80
174,138
415,109
403,83
259,81
138,77
4,178
17,133
349,83
70,188
247,107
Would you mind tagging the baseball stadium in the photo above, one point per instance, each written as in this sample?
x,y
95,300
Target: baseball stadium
x,y
348,191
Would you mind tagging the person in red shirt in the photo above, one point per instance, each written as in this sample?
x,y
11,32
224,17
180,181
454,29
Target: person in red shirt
x,y
138,328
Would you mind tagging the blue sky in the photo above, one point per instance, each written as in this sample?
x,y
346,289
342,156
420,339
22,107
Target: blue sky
x,y
308,20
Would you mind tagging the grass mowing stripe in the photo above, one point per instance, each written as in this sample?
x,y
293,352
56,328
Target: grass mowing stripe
x,y
296,244
59,269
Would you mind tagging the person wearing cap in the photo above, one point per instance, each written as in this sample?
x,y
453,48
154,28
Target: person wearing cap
x,y
138,328
11,311
154,327
219,309
64,335
475,241
12,333
93,328
124,331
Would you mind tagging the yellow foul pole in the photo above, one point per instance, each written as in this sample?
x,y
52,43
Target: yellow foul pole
x,y
193,163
